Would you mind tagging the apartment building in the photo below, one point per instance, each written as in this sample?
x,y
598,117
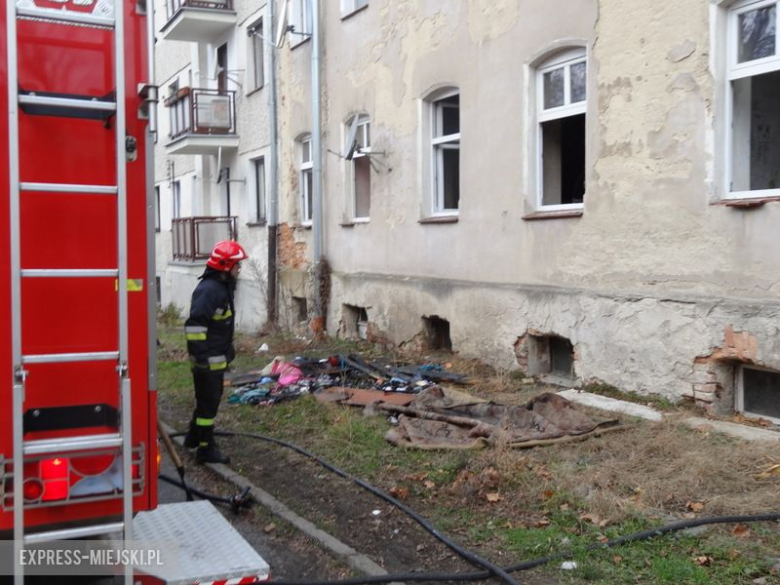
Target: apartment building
x,y
213,148
590,194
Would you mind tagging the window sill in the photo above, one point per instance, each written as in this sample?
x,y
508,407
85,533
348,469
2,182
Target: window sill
x,y
354,222
300,42
563,214
747,203
254,224
255,90
349,15
305,226
439,219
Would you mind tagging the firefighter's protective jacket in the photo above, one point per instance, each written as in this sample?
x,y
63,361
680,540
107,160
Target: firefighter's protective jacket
x,y
211,324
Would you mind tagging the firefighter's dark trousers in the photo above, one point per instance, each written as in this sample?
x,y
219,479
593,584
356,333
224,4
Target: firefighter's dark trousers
x,y
208,393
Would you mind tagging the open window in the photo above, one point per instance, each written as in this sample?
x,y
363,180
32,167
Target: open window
x,y
752,97
358,151
300,21
561,87
306,179
445,152
257,35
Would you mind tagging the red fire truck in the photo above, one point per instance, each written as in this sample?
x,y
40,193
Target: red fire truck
x,y
78,445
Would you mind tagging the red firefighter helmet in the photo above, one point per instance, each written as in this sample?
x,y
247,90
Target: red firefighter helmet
x,y
225,255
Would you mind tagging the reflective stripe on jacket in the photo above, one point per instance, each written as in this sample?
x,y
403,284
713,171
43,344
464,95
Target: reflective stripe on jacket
x,y
210,326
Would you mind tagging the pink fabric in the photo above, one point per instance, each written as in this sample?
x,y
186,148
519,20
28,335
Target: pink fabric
x,y
288,373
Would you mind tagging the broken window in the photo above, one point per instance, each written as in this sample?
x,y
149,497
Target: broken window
x,y
759,393
437,333
306,180
445,142
562,90
754,84
355,322
359,151
301,309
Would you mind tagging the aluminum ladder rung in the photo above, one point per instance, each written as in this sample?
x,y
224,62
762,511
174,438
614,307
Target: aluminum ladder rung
x,y
76,104
67,188
68,533
61,358
70,273
67,444
65,16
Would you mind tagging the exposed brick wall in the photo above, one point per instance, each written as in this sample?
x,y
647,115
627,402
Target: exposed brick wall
x,y
292,254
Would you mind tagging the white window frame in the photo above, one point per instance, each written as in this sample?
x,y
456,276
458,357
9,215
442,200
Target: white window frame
x,y
300,18
307,167
736,71
351,6
363,136
259,199
440,143
740,394
176,198
257,39
563,60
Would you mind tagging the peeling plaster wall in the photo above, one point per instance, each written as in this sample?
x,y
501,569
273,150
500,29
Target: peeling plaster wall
x,y
649,279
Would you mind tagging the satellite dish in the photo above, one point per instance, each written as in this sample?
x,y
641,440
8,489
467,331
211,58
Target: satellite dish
x,y
351,145
282,28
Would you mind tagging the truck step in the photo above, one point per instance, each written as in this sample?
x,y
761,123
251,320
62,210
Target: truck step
x,y
67,188
61,358
70,273
82,532
67,444
65,17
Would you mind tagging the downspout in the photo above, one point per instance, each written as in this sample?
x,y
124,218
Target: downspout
x,y
318,318
273,207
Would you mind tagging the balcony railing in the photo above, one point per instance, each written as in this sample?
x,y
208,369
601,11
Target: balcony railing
x,y
194,237
173,6
202,112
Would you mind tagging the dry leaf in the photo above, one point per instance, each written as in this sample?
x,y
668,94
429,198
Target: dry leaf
x,y
602,539
492,497
564,507
416,476
695,506
399,492
703,561
549,493
592,518
734,554
429,484
617,559
741,531
541,523
269,528
769,472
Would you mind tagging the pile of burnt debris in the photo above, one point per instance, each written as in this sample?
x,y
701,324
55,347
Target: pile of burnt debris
x,y
350,379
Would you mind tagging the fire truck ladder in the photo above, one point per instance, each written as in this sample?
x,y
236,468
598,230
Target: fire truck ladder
x,y
108,14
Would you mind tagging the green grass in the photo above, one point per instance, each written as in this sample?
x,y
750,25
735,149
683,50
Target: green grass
x,y
356,443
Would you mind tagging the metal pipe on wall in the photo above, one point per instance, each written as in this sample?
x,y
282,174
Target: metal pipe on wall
x,y
273,208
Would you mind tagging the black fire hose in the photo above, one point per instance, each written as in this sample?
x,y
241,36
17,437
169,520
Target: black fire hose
x,y
240,500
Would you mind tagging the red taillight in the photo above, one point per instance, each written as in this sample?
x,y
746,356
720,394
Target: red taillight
x,y
32,490
55,474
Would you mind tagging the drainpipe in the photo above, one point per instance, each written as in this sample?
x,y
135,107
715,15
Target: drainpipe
x,y
316,119
273,207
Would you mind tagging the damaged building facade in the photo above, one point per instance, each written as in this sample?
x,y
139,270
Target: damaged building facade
x,y
590,194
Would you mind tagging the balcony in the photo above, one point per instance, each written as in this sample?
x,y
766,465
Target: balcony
x,y
194,237
197,20
202,121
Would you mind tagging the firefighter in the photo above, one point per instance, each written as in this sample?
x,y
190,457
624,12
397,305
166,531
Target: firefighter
x,y
209,332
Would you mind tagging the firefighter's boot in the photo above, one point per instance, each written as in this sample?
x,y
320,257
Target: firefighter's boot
x,y
191,439
208,452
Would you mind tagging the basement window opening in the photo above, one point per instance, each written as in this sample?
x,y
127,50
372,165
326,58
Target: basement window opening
x,y
561,357
759,393
437,332
355,322
301,309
